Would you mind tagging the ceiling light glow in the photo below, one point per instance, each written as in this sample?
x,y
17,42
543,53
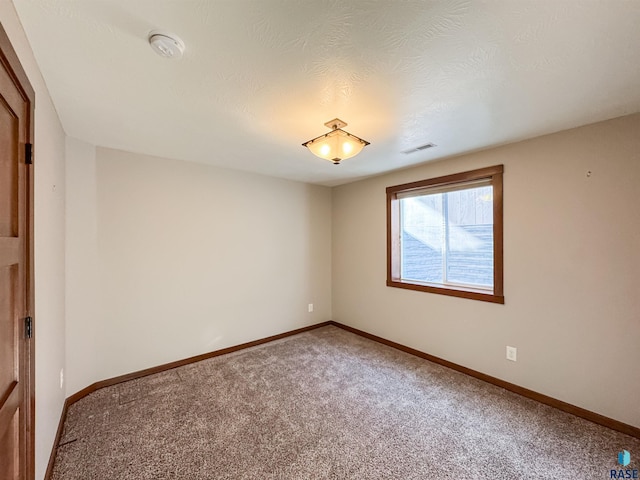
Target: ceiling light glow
x,y
337,145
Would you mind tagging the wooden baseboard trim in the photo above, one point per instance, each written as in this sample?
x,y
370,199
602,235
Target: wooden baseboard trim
x,y
56,440
179,363
160,368
525,392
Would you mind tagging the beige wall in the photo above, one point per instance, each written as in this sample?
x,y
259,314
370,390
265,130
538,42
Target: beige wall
x,y
169,259
83,309
572,266
49,246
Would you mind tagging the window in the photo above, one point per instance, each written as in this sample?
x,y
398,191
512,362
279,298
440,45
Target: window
x,y
444,235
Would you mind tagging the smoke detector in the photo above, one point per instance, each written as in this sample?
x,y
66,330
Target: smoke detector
x,y
166,44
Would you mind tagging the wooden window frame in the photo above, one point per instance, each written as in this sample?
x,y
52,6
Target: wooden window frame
x,y
494,174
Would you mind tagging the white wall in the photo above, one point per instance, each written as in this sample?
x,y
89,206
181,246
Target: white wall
x,y
49,151
83,309
572,264
169,259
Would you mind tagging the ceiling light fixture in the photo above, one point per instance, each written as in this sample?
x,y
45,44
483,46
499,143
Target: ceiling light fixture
x,y
166,44
337,145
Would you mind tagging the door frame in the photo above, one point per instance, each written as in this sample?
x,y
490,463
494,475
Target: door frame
x,y
10,60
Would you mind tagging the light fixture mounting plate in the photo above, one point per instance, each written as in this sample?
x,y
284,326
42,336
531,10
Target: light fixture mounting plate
x,y
335,123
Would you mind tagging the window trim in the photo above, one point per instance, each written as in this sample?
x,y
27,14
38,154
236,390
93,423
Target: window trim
x,y
493,173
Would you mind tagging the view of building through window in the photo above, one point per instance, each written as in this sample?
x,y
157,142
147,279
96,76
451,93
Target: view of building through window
x,y
447,237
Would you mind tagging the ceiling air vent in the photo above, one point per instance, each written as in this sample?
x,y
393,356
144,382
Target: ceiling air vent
x,y
421,147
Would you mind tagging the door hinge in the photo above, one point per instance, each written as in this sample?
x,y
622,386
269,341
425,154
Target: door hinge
x,y
28,153
28,327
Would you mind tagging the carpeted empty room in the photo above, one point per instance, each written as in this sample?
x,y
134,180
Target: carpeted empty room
x,y
319,239
325,403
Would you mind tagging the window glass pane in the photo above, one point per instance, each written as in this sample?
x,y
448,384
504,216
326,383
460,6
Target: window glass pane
x,y
422,238
470,237
447,238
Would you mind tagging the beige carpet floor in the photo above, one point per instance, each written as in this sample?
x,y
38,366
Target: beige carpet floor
x,y
326,404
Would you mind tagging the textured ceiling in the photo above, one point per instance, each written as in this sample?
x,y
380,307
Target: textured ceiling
x,y
259,77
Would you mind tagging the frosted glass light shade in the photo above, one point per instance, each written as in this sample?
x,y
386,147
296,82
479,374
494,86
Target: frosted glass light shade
x,y
336,145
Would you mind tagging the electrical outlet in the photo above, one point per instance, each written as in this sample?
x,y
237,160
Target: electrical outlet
x,y
512,353
310,307
61,377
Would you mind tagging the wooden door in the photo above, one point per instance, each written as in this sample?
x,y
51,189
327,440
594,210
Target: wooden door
x,y
16,350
